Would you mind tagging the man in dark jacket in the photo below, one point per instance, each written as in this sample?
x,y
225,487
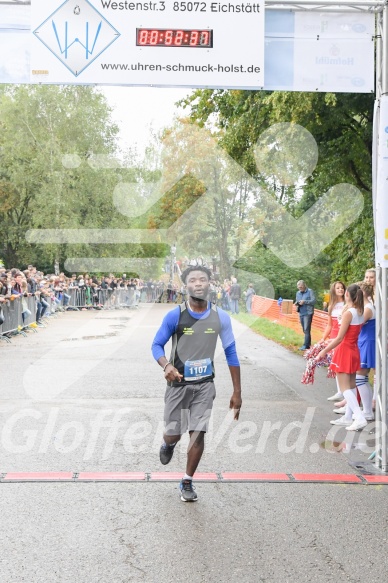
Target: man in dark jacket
x,y
305,300
235,295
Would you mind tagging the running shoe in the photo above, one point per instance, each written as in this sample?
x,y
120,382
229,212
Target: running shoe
x,y
340,410
357,425
336,397
165,453
341,421
340,403
367,417
187,491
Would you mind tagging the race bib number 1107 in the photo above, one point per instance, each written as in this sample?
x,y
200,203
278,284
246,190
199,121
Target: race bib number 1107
x,y
196,370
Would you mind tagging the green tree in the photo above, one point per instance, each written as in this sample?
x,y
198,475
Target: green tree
x,y
59,169
39,125
206,195
342,127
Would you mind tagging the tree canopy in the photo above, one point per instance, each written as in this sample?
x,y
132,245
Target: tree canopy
x,y
341,125
218,180
53,144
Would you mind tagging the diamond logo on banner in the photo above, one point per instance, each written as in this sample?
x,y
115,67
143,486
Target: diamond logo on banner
x,y
76,33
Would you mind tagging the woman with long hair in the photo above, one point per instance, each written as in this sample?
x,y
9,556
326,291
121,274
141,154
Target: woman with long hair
x,y
336,305
346,357
370,277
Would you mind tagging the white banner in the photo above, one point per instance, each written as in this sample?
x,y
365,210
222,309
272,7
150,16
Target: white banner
x,y
221,45
152,42
333,50
381,195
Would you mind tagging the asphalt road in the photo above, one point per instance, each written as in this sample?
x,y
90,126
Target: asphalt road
x,y
85,395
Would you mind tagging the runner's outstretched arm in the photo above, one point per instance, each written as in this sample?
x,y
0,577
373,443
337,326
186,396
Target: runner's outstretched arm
x,y
235,401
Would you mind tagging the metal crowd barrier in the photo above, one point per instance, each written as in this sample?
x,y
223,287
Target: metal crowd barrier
x,y
12,313
151,294
110,299
30,318
77,298
104,298
19,315
169,296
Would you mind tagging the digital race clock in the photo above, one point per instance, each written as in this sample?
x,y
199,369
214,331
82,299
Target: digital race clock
x,y
164,37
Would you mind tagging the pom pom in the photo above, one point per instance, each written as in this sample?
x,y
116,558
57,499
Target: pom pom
x,y
308,375
311,364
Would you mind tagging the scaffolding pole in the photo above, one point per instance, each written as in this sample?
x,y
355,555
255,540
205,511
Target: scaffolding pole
x,y
381,271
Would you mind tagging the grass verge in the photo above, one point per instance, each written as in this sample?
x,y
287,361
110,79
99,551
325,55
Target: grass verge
x,y
279,334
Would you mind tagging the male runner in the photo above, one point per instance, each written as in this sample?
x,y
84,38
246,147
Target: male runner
x,y
194,327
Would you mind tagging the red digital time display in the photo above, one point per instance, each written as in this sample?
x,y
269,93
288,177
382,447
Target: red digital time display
x,y
172,37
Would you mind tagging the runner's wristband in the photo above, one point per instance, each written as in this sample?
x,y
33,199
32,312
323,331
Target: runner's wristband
x,y
166,365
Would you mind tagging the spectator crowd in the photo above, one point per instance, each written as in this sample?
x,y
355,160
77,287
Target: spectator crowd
x,y
39,295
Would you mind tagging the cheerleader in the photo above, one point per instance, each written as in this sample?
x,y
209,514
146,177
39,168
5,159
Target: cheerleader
x,y
336,304
370,279
367,347
346,357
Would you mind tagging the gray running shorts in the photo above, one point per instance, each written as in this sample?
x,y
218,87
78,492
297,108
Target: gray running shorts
x,y
188,408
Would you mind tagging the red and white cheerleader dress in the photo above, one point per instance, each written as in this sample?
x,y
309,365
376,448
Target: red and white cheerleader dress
x,y
346,357
335,314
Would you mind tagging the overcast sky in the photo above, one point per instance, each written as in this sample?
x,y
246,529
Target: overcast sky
x,y
138,109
